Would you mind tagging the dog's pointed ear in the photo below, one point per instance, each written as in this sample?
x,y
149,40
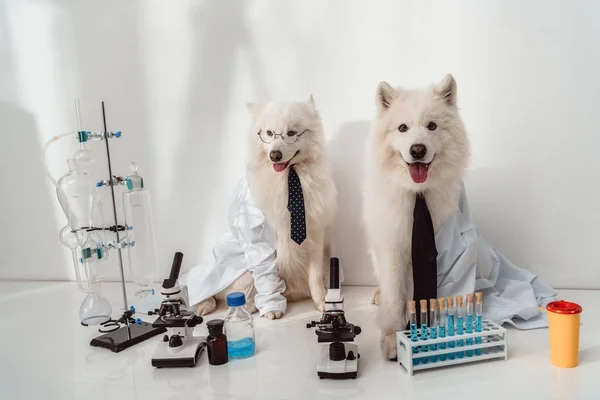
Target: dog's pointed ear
x,y
254,108
385,96
446,90
311,103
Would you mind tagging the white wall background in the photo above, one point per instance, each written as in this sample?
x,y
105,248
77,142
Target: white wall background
x,y
176,75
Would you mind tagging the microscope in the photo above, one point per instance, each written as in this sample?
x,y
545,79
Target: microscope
x,y
339,355
180,348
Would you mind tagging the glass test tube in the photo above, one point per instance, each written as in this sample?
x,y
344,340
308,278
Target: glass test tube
x,y
433,324
478,318
451,343
469,322
424,360
443,321
414,329
460,324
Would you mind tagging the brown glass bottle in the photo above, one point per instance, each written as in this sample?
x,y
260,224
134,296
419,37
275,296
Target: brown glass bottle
x,y
216,343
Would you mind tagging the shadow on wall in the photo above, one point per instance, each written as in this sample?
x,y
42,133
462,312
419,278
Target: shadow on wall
x,y
24,185
347,152
212,65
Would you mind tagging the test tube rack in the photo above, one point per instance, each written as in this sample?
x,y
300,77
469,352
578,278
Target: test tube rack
x,y
494,345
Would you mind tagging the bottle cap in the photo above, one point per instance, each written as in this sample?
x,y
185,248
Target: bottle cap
x,y
564,307
236,299
450,301
215,327
442,303
423,305
459,301
469,298
478,297
433,304
412,307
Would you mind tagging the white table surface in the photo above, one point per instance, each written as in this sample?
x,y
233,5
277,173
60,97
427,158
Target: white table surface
x,y
45,354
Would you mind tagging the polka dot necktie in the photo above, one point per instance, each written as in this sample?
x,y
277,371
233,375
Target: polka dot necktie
x,y
424,254
296,207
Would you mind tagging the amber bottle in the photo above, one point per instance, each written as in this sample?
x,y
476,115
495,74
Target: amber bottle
x,y
216,343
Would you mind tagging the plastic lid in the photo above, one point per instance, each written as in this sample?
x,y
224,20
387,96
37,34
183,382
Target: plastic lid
x,y
236,299
564,307
215,327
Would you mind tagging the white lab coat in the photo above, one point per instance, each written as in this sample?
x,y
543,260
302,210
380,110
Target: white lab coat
x,y
249,246
466,263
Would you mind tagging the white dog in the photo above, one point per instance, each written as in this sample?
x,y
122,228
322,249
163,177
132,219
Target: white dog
x,y
418,145
286,136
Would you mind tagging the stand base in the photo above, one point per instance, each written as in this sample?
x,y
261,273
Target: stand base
x,y
126,336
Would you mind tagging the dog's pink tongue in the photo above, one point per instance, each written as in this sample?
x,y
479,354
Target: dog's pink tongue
x,y
418,172
279,167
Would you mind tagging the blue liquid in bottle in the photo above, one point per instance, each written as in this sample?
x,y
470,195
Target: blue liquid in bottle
x,y
242,348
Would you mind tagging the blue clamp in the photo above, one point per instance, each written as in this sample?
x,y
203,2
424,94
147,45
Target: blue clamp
x,y
100,184
138,321
152,292
132,309
118,134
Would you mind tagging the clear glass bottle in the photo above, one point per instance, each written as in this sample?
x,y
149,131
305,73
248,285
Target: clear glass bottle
x,y
143,265
239,328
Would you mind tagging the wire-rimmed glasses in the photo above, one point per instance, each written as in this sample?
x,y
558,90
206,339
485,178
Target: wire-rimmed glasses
x,y
290,137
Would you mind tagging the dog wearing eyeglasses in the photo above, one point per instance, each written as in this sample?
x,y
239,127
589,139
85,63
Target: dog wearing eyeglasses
x,y
418,145
282,135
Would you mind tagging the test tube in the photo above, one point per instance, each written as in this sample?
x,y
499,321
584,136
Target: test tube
x,y
469,322
424,360
443,321
460,324
433,324
478,317
451,325
414,330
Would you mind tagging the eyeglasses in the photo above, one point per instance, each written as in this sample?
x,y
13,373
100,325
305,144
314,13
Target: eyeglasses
x,y
289,137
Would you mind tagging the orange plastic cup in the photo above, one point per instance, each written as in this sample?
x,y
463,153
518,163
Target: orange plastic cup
x,y
563,321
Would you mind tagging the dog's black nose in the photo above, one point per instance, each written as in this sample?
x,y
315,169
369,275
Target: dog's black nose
x,y
418,151
275,156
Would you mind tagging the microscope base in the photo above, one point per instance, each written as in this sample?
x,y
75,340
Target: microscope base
x,y
346,368
182,356
126,336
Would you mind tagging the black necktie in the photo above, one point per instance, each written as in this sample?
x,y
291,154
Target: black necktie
x,y
424,254
296,207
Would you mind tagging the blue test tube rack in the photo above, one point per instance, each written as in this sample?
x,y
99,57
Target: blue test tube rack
x,y
490,343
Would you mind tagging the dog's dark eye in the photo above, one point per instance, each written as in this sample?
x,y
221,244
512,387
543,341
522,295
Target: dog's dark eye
x,y
431,126
403,128
291,133
269,133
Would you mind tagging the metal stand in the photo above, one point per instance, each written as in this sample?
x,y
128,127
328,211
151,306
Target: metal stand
x,y
130,334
